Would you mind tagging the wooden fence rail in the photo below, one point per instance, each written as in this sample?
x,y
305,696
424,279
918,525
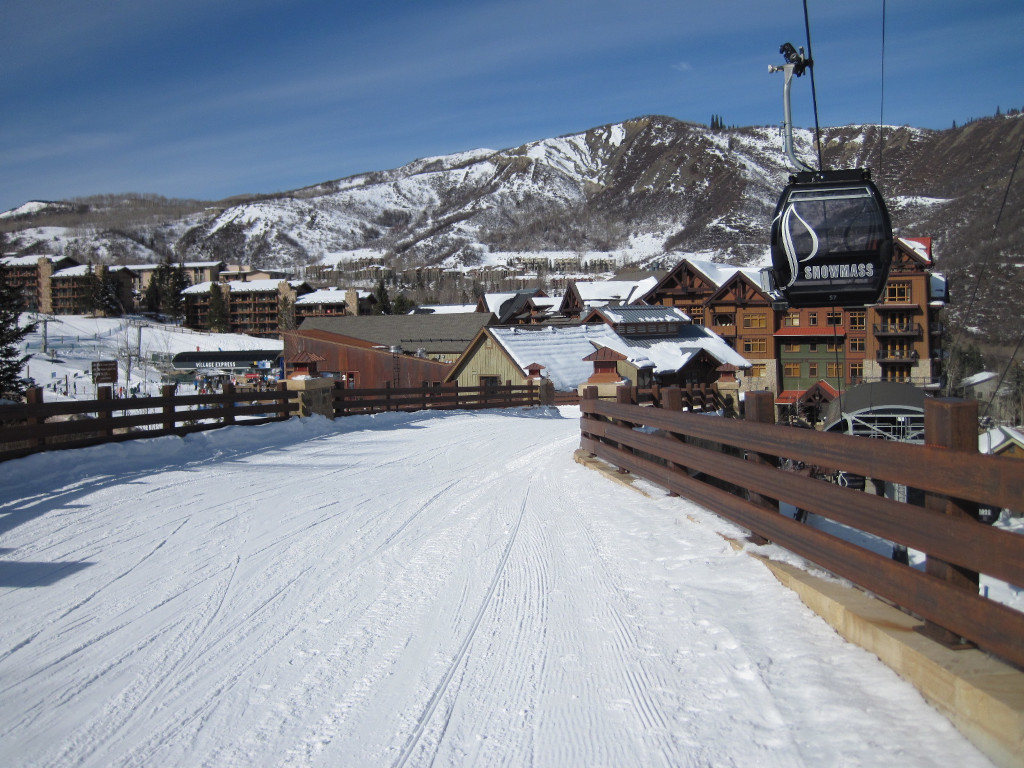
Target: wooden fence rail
x,y
354,401
37,426
736,468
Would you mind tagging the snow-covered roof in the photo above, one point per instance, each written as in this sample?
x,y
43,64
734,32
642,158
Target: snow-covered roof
x,y
976,379
493,301
922,246
329,296
720,274
598,292
246,286
76,271
642,313
187,265
994,440
561,349
24,261
672,353
443,309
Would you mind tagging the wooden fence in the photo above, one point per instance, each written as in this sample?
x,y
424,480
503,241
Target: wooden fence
x,y
354,401
738,469
36,426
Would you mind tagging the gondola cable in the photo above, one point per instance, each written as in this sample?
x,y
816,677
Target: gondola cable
x,y
881,105
814,91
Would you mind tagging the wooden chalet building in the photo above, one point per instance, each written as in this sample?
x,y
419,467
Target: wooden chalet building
x,y
582,296
806,355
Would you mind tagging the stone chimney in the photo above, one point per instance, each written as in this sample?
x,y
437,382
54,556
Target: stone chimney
x,y
352,301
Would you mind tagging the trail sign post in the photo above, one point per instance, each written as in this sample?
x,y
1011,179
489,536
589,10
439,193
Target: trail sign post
x,y
104,372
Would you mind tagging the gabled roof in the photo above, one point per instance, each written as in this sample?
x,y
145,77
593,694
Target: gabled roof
x,y
432,333
564,350
638,313
999,439
741,281
610,291
711,274
560,349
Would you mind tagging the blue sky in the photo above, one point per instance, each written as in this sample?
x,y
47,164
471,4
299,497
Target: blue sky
x,y
211,98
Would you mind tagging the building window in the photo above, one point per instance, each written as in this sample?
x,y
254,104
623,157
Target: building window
x,y
790,347
758,370
834,346
857,345
835,370
898,292
791,370
812,369
754,346
856,371
812,318
755,320
833,318
696,315
791,321
858,320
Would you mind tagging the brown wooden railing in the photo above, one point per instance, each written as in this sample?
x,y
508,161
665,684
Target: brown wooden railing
x,y
38,426
354,401
733,468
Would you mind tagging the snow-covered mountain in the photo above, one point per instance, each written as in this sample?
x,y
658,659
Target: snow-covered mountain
x,y
642,192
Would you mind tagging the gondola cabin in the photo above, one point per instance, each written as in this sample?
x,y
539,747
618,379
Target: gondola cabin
x,y
831,240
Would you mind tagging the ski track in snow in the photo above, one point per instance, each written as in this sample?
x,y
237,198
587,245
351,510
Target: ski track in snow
x,y
446,590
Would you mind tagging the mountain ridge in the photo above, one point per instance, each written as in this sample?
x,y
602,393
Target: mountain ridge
x,y
647,191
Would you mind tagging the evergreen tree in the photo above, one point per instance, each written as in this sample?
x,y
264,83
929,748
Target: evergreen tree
x,y
217,314
106,301
383,300
11,334
286,314
403,305
173,302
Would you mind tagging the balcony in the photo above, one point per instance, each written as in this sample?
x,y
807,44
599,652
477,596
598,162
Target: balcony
x,y
896,356
911,330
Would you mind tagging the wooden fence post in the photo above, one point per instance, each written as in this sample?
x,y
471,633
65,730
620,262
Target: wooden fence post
x,y
340,408
950,424
34,396
282,403
167,393
623,396
104,395
589,393
671,399
760,408
229,403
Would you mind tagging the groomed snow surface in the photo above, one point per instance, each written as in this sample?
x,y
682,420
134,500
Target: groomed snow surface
x,y
444,589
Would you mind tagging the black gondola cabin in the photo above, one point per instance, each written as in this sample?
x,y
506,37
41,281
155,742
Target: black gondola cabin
x,y
831,240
